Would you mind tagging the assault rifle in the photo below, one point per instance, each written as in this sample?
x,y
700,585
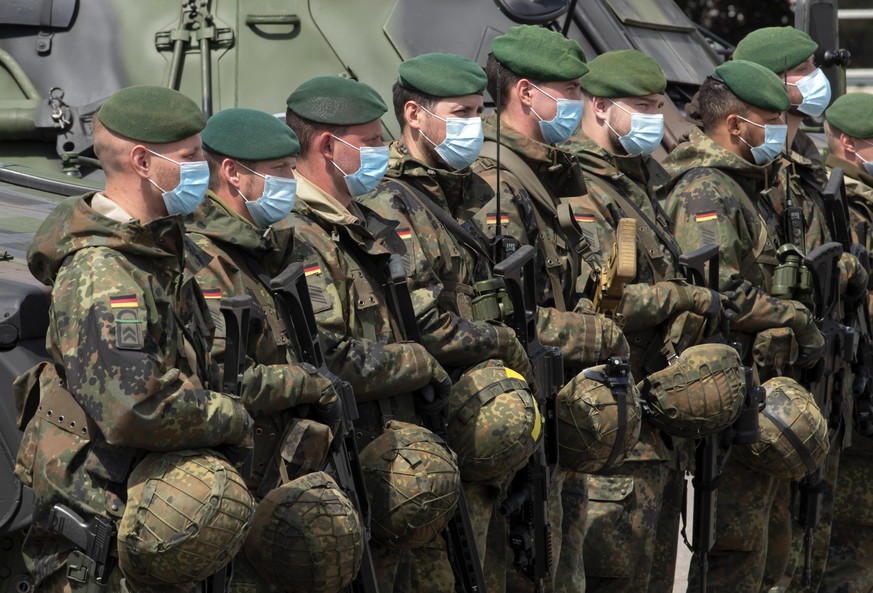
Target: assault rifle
x,y
711,452
856,315
821,380
527,502
460,540
292,297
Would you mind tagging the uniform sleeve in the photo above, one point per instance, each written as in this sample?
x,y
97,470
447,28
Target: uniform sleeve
x,y
266,388
703,214
375,369
122,361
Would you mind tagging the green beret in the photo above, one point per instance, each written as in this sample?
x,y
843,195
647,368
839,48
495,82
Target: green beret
x,y
539,54
152,114
336,101
442,75
623,73
249,135
754,84
776,48
853,114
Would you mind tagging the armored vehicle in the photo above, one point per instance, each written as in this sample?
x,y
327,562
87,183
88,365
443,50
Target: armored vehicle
x,y
60,59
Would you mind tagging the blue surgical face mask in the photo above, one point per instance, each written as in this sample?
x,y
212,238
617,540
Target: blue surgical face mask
x,y
374,163
815,88
566,120
774,142
868,165
193,183
276,201
646,132
464,138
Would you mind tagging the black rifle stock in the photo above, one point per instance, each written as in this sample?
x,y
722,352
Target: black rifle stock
x,y
459,537
292,297
89,565
527,503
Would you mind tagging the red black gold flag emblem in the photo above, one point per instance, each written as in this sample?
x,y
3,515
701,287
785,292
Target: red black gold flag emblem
x,y
705,216
123,301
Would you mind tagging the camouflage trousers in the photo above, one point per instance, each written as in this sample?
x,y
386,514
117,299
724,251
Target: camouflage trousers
x,y
667,536
424,569
785,563
850,555
58,583
624,512
736,562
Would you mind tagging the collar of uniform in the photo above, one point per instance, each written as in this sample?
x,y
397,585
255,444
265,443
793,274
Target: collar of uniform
x,y
109,208
324,205
850,170
221,224
715,155
536,152
442,186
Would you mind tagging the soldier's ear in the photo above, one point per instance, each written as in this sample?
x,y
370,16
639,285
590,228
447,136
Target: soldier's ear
x,y
847,143
323,144
412,113
732,124
139,160
524,91
230,171
600,106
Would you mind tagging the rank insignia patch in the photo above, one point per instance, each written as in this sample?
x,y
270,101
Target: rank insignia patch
x,y
128,333
318,294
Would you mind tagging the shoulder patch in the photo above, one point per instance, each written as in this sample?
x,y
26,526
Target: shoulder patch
x,y
211,293
491,218
123,301
404,233
128,329
318,294
706,216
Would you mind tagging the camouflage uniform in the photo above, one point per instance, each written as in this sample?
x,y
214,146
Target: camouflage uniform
x,y
717,196
850,555
646,490
335,245
564,318
126,375
243,260
442,271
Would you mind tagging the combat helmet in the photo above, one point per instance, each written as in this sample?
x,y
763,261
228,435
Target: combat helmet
x,y
413,483
306,537
494,423
698,394
794,434
187,515
599,417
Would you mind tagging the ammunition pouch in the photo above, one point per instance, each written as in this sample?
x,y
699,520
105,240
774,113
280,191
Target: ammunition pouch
x,y
302,448
491,303
776,348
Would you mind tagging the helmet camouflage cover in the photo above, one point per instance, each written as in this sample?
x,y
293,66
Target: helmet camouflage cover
x,y
598,418
413,484
794,434
494,423
699,393
306,537
187,515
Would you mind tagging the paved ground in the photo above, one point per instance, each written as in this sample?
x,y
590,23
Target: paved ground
x,y
683,556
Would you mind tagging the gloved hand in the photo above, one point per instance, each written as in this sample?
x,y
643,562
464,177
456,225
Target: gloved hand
x,y
435,395
513,353
317,387
853,277
809,338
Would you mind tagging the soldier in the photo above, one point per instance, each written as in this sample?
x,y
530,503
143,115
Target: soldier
x,y
849,131
533,73
438,101
622,124
128,374
251,156
344,247
721,175
789,53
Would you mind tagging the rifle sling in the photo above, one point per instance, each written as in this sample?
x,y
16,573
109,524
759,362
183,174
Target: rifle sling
x,y
540,195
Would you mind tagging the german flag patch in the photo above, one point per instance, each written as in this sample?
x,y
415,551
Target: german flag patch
x,y
705,216
311,270
584,218
492,218
404,234
123,301
211,293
